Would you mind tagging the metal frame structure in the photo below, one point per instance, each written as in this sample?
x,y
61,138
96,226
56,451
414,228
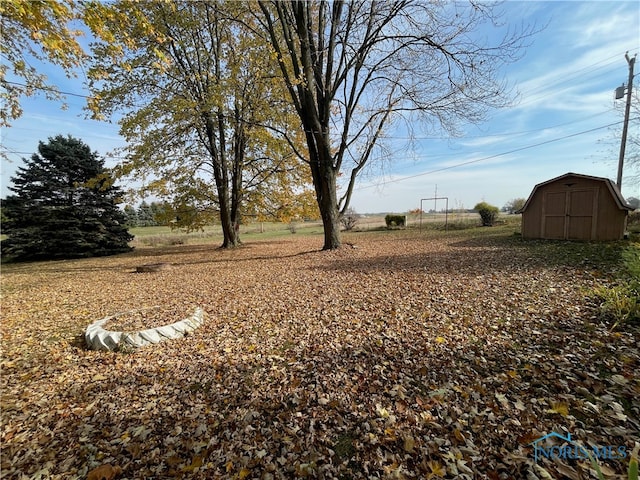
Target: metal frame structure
x,y
446,211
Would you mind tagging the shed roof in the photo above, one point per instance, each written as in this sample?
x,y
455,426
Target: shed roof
x,y
613,189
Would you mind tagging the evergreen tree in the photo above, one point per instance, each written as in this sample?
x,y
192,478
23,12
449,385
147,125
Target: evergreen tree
x,y
145,215
65,206
131,216
158,213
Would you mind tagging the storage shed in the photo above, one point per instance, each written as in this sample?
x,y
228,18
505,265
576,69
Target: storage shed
x,y
575,207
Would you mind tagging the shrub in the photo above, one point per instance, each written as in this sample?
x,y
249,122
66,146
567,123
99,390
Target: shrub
x,y
349,219
394,221
633,221
488,213
620,304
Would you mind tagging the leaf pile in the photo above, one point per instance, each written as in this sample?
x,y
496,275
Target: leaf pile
x,y
407,357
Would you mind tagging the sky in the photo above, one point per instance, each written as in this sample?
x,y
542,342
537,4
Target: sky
x,y
564,119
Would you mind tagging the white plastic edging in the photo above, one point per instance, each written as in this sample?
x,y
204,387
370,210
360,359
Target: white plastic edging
x,y
98,338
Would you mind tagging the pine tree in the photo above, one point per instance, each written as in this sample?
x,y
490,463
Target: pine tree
x,y
65,206
145,215
131,216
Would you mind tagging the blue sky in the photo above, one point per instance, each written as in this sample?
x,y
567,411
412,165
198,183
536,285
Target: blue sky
x,y
558,124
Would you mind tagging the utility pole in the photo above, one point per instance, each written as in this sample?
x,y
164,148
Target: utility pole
x,y
623,144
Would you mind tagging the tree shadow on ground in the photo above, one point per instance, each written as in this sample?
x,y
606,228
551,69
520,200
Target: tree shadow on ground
x,y
558,253
471,258
491,253
344,391
175,255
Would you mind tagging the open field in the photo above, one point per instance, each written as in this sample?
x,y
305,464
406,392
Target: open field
x,y
162,235
414,355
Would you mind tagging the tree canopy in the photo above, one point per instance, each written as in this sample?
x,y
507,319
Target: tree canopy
x,y
202,110
221,100
65,206
353,69
34,31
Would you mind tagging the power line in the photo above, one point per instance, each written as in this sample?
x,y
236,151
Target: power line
x,y
580,73
49,89
490,157
506,134
412,138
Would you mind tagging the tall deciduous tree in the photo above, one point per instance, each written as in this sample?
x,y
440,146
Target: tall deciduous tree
x,y
353,68
196,92
65,206
34,31
514,205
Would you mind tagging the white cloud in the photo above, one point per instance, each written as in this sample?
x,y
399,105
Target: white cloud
x,y
486,141
597,21
575,64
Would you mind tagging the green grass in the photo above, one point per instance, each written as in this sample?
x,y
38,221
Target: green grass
x,y
605,256
619,303
466,225
146,231
162,236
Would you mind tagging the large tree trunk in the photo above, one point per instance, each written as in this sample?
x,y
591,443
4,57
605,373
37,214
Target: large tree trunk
x,y
327,202
230,233
228,213
324,181
239,149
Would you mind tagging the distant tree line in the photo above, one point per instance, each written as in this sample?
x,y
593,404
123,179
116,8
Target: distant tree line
x,y
148,214
511,206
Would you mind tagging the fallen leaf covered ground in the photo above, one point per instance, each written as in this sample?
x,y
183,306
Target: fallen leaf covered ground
x,y
410,356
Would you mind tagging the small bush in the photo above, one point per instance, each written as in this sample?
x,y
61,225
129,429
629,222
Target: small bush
x,y
633,222
488,213
620,304
395,221
349,219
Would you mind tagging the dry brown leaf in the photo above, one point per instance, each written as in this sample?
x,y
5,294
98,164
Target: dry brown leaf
x,y
104,472
409,357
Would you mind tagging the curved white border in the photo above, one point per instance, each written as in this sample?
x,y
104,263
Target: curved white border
x,y
98,338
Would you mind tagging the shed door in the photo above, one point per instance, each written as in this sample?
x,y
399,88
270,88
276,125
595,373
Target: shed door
x,y
570,214
554,212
